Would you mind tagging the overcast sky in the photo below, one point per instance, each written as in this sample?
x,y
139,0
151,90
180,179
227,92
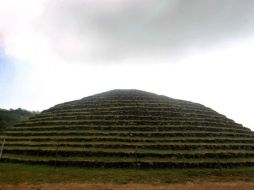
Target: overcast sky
x,y
53,51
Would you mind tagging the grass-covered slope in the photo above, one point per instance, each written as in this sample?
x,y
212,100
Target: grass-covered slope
x,y
130,128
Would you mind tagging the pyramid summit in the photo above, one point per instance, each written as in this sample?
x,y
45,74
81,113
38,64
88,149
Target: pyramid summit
x,y
130,128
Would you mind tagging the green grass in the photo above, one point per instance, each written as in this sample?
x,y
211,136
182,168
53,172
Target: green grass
x,y
22,173
130,133
158,112
125,139
80,144
124,121
21,130
125,159
73,149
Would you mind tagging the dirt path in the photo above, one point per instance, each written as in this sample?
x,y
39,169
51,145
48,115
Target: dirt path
x,y
187,186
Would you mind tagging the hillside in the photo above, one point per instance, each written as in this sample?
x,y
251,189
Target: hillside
x,y
10,117
130,128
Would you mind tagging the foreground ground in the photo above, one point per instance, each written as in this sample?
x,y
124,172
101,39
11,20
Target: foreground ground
x,y
21,176
186,186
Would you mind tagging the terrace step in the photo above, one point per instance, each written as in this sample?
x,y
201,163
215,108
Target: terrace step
x,y
130,117
127,139
130,134
128,162
126,128
123,122
153,146
137,153
133,112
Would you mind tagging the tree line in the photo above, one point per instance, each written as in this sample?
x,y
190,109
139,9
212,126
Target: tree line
x,y
12,116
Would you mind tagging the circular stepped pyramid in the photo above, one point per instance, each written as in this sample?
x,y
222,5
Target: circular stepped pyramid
x,y
130,128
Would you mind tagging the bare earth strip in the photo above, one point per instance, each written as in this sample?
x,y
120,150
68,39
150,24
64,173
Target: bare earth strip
x,y
186,186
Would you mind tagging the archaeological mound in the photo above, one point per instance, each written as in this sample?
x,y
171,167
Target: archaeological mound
x,y
130,128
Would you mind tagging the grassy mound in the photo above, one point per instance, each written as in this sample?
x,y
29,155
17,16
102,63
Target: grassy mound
x,y
130,128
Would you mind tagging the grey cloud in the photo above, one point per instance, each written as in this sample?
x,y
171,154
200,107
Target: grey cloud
x,y
120,29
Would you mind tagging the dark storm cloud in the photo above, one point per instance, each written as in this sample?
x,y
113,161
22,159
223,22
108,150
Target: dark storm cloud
x,y
127,28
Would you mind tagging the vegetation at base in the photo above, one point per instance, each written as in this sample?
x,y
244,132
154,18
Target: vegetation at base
x,y
34,174
12,116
